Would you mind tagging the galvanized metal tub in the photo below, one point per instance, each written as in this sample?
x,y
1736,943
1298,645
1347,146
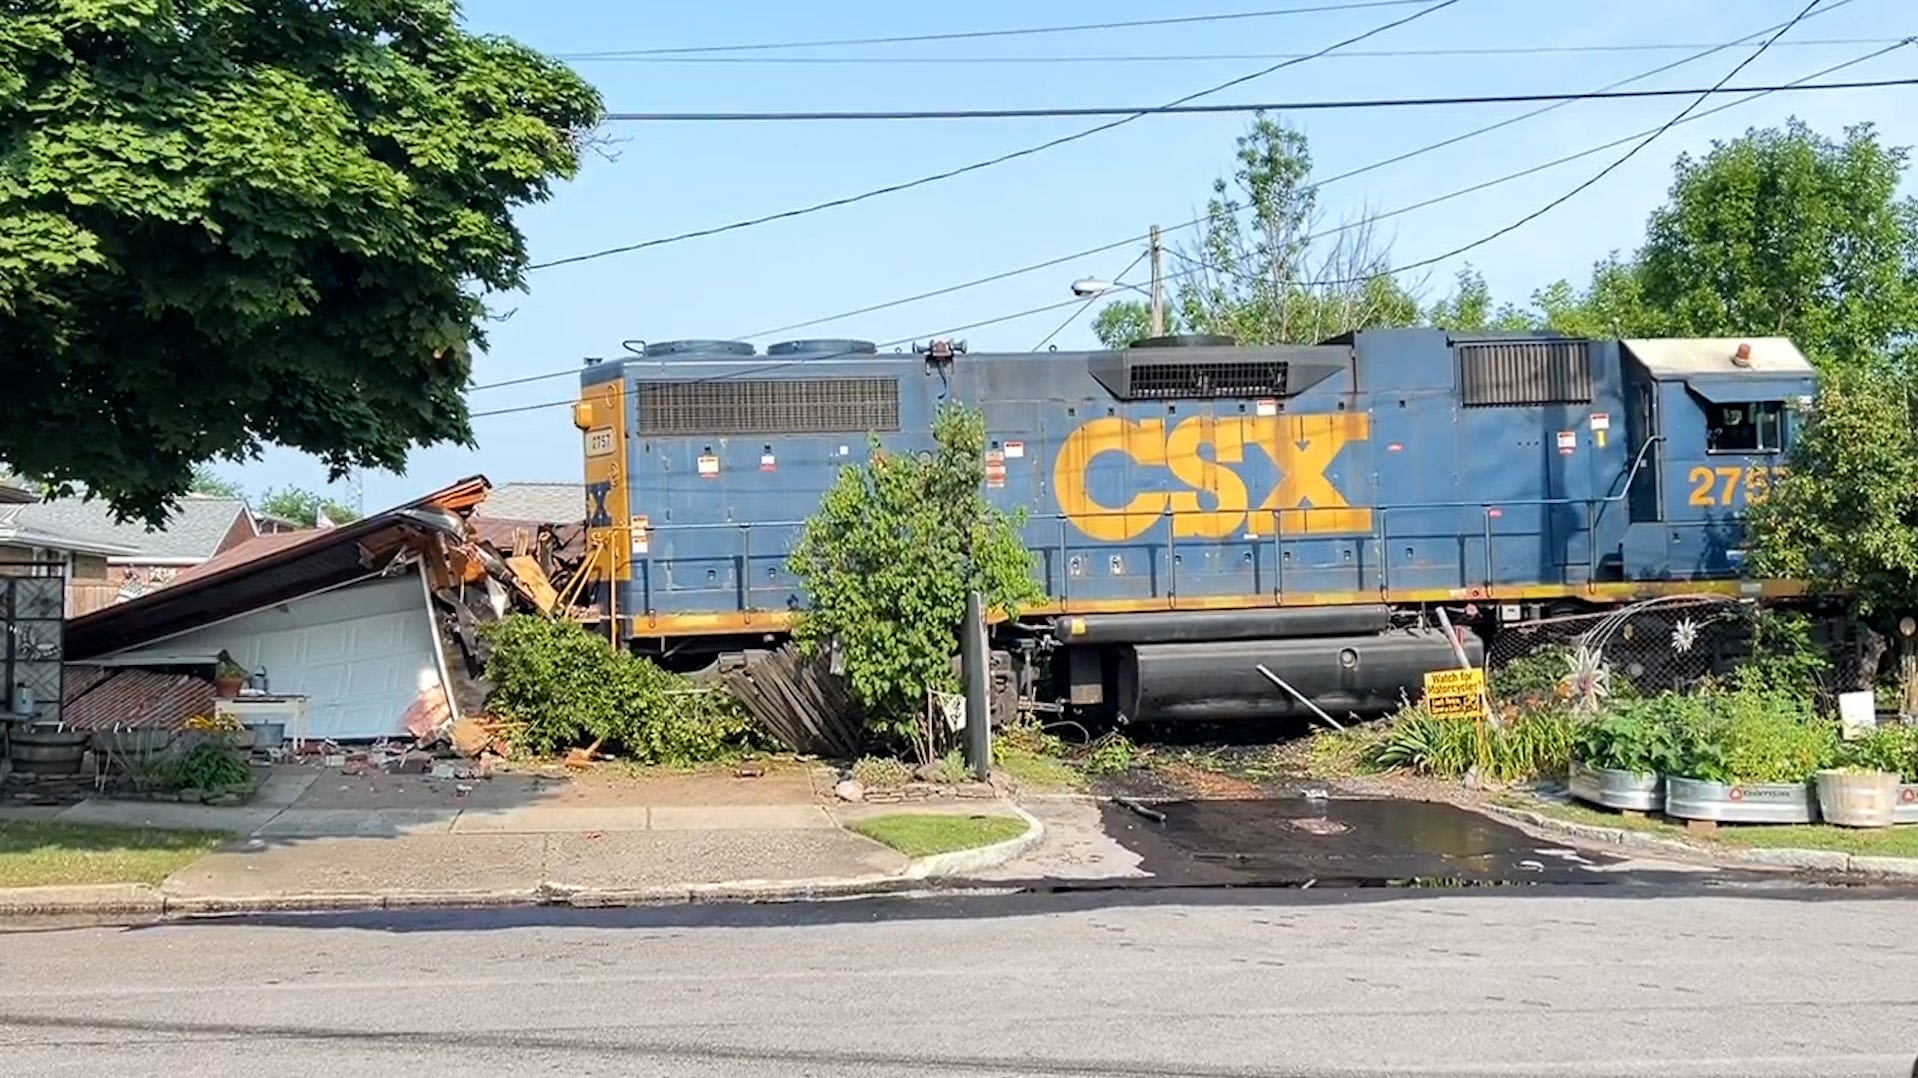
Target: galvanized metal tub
x,y
1906,811
138,743
1759,802
1616,789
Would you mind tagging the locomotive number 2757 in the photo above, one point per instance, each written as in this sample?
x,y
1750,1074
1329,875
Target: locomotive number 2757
x,y
1730,484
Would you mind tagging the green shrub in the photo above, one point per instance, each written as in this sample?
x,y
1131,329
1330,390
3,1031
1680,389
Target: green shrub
x,y
1535,743
1748,735
565,686
1639,736
1892,747
1785,658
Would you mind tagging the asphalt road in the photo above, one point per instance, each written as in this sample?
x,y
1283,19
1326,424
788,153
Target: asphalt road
x,y
1547,981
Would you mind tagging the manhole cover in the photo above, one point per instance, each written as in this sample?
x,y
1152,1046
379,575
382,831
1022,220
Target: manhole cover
x,y
1319,827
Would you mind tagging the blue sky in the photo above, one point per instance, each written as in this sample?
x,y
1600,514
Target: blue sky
x,y
668,178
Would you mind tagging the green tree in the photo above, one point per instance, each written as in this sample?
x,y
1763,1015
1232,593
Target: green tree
x,y
207,483
225,223
1266,269
1844,516
1786,232
1470,307
304,507
884,562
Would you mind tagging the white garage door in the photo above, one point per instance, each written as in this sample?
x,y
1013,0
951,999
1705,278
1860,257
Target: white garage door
x,y
361,655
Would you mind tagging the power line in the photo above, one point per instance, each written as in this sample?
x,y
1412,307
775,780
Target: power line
x,y
784,363
1249,106
1141,237
978,165
1208,57
1317,184
1601,174
970,35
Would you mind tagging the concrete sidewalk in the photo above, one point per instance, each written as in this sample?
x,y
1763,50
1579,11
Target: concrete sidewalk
x,y
318,838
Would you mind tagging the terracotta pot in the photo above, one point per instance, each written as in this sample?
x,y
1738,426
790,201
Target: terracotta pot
x,y
226,688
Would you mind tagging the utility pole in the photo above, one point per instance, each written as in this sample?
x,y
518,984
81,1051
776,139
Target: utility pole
x,y
1158,284
974,658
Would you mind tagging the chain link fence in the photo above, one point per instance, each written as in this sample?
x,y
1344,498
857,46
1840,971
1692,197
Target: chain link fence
x,y
1651,647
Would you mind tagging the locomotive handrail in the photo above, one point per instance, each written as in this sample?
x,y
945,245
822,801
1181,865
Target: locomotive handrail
x,y
1592,506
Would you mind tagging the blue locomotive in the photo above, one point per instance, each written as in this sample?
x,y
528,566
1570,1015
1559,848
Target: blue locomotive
x,y
1200,508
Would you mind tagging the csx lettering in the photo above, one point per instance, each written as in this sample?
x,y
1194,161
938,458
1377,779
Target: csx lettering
x,y
1728,484
1214,502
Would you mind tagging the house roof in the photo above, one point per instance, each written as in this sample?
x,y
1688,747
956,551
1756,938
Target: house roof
x,y
192,533
17,530
535,503
274,569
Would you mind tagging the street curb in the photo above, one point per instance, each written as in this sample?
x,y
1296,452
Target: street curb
x,y
1765,857
127,900
959,862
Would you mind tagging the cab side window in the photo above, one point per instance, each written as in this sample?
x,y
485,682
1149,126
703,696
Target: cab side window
x,y
1748,427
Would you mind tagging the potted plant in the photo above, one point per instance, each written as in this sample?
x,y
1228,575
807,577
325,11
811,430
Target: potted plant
x,y
1620,760
1748,756
228,676
1876,782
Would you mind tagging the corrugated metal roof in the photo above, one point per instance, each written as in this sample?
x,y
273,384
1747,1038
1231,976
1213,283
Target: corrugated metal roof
x,y
539,503
126,699
295,564
194,531
1682,357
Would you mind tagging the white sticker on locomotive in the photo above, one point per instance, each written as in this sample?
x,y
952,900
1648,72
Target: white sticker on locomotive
x,y
1601,421
767,462
708,466
1268,407
599,442
642,539
1567,441
1015,450
995,468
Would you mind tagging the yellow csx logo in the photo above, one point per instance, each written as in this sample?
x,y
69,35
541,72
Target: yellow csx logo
x,y
1215,503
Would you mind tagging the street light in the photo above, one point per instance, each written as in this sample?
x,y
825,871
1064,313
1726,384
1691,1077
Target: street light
x,y
1088,287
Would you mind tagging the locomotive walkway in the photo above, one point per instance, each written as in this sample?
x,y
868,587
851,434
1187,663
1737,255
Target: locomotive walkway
x,y
317,838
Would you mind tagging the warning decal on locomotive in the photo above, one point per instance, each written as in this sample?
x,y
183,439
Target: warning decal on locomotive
x,y
1214,500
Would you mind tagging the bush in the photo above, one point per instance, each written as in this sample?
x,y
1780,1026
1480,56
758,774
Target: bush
x,y
1638,736
1887,748
1535,743
1748,735
565,686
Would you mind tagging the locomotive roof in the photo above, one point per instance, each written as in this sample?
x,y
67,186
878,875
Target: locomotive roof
x,y
1689,357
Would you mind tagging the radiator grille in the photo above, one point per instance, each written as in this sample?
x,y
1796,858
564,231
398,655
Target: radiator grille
x,y
769,406
1172,381
1495,373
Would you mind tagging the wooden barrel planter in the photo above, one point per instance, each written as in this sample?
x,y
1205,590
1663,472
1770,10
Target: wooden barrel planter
x,y
1617,789
48,750
1758,802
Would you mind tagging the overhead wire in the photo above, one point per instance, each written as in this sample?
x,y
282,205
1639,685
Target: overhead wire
x,y
1209,57
1197,267
1575,191
1338,104
1317,185
973,35
990,162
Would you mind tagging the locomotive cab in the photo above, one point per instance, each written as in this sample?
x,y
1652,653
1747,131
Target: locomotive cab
x,y
1716,417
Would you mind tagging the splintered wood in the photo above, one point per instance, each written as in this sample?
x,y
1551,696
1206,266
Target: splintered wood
x,y
799,701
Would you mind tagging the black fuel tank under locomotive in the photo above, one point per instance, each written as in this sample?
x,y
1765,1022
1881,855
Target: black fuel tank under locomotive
x,y
1178,666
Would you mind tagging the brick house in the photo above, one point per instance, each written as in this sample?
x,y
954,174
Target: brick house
x,y
138,560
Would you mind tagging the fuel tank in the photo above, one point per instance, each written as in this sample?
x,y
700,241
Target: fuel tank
x,y
1220,680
